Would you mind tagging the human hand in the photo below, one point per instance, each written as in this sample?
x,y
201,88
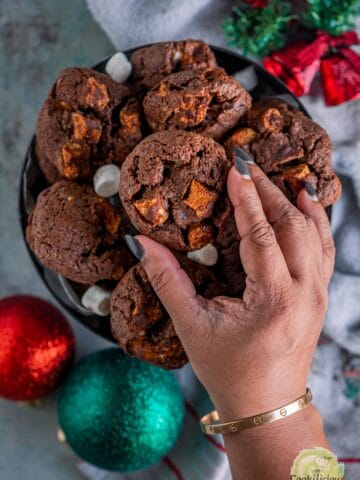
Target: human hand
x,y
253,354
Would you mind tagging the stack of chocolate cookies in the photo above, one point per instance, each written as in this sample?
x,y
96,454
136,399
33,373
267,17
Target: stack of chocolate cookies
x,y
152,155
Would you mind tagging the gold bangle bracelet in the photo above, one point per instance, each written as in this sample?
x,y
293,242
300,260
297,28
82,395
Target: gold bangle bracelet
x,y
211,426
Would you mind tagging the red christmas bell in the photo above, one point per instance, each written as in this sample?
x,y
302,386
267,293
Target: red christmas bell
x,y
297,65
340,77
37,347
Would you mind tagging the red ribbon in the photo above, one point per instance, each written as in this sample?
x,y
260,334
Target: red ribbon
x,y
339,66
257,3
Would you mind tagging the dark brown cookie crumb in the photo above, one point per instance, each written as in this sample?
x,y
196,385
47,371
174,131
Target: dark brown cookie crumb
x,y
77,234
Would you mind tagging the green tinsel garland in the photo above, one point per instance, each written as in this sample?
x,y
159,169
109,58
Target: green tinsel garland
x,y
333,16
258,31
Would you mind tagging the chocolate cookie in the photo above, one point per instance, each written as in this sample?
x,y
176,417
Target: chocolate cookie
x,y
141,325
76,233
229,267
152,64
87,120
209,102
173,187
290,148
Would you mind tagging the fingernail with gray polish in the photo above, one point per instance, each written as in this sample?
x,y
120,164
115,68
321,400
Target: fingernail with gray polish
x,y
311,191
244,155
242,168
135,246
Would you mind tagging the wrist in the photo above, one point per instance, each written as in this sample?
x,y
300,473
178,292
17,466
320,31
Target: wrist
x,y
304,429
268,450
262,387
255,400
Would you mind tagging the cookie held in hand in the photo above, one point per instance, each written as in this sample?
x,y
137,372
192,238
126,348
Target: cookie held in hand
x,y
140,323
173,188
77,234
290,148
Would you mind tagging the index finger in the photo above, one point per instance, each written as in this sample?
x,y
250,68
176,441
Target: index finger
x,y
300,249
259,251
310,205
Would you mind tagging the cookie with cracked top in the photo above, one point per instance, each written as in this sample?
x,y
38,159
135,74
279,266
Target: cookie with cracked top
x,y
290,147
152,64
140,323
209,102
173,188
78,234
86,121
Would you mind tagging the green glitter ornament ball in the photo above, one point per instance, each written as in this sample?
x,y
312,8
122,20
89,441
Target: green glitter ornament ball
x,y
119,413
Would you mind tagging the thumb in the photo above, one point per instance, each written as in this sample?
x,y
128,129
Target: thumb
x,y
170,282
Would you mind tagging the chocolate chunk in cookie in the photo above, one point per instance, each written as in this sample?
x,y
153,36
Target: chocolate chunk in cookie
x,y
289,147
87,120
140,323
152,64
78,234
209,102
173,188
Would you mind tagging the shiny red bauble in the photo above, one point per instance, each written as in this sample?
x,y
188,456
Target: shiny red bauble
x,y
36,347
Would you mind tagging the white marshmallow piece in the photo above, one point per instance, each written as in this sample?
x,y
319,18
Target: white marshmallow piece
x,y
97,300
178,56
207,255
106,180
247,77
119,67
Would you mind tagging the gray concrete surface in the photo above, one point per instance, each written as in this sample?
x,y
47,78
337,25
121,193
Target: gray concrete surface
x,y
37,39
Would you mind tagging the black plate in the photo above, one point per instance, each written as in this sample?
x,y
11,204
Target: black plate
x,y
32,183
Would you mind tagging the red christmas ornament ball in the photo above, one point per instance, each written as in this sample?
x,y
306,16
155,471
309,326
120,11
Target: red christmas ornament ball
x,y
37,347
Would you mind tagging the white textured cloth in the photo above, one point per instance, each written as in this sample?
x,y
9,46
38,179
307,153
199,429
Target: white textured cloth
x,y
335,374
129,23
